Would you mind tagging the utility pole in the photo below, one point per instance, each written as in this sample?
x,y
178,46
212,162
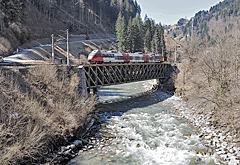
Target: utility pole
x,y
175,54
192,31
100,16
53,49
163,54
67,50
1,22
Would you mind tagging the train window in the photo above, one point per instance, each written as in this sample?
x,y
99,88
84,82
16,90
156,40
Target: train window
x,y
130,57
121,58
98,55
137,58
108,55
159,57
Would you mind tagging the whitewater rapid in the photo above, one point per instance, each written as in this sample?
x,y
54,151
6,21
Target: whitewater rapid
x,y
145,130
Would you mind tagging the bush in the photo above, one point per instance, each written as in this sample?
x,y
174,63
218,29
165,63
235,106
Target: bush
x,y
212,77
40,109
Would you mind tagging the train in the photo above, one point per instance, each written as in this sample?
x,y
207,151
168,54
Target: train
x,y
99,57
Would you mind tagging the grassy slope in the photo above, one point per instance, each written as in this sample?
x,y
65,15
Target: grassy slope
x,y
36,27
40,110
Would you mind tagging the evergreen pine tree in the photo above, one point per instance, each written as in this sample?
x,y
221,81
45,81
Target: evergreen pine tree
x,y
153,29
156,42
138,37
161,36
147,23
147,42
138,34
121,32
152,46
148,35
129,42
134,30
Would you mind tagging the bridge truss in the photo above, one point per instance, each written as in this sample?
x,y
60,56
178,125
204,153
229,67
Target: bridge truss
x,y
112,74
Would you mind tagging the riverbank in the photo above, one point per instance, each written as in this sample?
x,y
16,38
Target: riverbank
x,y
209,85
216,115
41,110
143,130
220,140
111,139
220,137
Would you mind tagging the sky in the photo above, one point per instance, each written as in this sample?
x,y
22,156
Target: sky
x,y
168,12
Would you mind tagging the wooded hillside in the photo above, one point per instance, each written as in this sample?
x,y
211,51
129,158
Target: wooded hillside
x,y
221,18
23,21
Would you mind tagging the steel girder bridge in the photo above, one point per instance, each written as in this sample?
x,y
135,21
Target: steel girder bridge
x,y
111,74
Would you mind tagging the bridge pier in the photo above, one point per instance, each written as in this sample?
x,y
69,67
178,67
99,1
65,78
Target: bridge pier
x,y
92,91
160,81
168,82
83,85
84,90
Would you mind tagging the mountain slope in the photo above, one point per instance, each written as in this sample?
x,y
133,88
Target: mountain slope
x,y
25,20
219,19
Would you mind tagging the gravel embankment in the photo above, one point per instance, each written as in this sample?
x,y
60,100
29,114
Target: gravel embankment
x,y
221,141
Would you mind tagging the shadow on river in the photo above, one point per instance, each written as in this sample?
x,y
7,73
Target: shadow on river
x,y
137,101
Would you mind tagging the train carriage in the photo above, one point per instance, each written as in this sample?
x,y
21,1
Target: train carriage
x,y
98,56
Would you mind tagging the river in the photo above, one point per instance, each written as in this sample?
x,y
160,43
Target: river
x,y
142,129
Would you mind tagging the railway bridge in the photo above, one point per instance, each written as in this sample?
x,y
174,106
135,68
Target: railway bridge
x,y
97,75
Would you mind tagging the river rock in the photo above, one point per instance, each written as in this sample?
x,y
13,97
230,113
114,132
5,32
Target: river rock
x,y
109,136
90,146
100,158
104,148
78,143
108,155
84,141
111,160
202,153
113,153
103,125
198,159
68,152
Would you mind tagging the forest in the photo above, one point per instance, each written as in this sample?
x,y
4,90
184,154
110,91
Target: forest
x,y
222,11
74,13
22,21
206,24
139,36
134,35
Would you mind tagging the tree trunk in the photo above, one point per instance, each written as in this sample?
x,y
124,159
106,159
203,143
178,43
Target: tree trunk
x,y
1,22
100,16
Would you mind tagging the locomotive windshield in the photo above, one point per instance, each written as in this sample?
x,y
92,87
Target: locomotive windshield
x,y
92,54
